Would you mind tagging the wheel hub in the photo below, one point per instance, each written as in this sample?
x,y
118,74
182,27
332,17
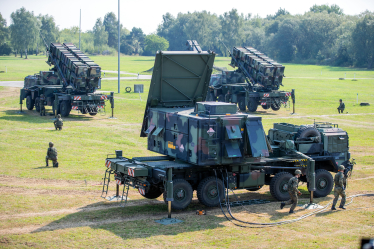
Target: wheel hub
x,y
322,183
180,194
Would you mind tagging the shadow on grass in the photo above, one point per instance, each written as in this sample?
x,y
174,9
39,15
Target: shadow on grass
x,y
136,221
34,117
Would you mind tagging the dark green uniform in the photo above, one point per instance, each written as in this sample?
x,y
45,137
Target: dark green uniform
x,y
41,104
58,122
293,191
52,155
339,189
341,107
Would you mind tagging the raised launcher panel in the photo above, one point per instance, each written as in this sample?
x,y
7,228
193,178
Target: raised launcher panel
x,y
210,134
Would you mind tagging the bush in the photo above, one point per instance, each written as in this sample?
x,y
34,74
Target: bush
x,y
5,49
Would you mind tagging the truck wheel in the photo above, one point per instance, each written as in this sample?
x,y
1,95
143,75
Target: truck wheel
x,y
324,183
255,188
37,104
308,132
207,192
29,103
252,105
93,113
221,98
182,194
65,108
275,106
279,186
265,106
241,104
153,193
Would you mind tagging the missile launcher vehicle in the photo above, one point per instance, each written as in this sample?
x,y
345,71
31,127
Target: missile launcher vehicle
x,y
209,146
256,81
70,85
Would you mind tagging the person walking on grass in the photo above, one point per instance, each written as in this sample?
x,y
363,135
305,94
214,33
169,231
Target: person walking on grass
x,y
293,191
51,155
339,190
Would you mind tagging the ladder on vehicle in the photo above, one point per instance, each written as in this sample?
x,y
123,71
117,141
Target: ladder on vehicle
x,y
124,196
108,172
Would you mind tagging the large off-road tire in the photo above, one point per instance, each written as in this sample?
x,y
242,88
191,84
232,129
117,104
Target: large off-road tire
x,y
275,106
29,103
307,131
252,104
279,186
221,98
265,106
37,104
241,104
153,193
207,192
84,111
324,183
182,194
65,108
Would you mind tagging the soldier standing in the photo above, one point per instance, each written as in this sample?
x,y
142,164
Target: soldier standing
x,y
340,183
51,155
41,104
58,122
293,191
341,106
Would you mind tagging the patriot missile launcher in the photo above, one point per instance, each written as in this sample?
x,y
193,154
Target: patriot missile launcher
x,y
208,146
70,85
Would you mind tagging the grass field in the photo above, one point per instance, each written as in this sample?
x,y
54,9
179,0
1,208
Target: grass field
x,y
61,208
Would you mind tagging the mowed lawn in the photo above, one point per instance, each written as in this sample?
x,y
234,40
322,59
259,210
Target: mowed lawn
x,y
61,208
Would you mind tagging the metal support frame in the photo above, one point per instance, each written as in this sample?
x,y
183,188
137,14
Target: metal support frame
x,y
169,199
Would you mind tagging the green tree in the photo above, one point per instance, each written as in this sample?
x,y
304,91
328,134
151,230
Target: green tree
x,y
24,30
100,35
363,40
330,9
204,28
231,29
48,30
111,26
154,43
4,32
172,29
280,12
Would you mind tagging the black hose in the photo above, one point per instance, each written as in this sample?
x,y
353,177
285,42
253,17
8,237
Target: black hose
x,y
259,225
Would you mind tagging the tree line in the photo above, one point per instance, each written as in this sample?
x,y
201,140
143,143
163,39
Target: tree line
x,y
323,35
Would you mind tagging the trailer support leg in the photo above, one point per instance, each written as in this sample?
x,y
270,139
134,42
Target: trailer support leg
x,y
112,104
169,199
311,197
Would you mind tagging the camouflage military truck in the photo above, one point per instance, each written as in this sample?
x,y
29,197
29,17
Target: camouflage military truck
x,y
209,146
255,82
70,85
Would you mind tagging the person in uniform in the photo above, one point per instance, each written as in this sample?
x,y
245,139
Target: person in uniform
x,y
340,183
58,122
51,155
341,106
41,104
293,191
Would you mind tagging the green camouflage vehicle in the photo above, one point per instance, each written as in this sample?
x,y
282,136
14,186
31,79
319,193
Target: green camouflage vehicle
x,y
209,146
255,82
70,85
